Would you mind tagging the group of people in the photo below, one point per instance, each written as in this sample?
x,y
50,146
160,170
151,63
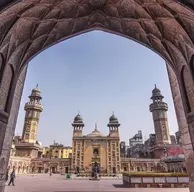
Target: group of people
x,y
12,177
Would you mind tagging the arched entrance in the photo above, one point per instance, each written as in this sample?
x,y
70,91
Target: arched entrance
x,y
28,27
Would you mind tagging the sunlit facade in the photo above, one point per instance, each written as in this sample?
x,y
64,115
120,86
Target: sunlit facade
x,y
57,151
96,147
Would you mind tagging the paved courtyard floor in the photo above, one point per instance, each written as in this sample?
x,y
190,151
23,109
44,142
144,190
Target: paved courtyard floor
x,y
57,183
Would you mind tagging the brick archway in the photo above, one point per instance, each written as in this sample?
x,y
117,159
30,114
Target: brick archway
x,y
29,26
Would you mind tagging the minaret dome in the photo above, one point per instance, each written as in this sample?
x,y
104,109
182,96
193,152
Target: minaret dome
x,y
113,126
78,119
156,95
78,125
113,119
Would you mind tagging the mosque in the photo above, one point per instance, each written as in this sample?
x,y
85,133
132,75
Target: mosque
x,y
28,155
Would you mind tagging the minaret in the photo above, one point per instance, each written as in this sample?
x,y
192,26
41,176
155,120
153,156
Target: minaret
x,y
113,146
159,111
77,145
113,126
33,109
78,126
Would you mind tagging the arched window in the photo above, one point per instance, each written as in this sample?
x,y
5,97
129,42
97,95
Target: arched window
x,y
95,151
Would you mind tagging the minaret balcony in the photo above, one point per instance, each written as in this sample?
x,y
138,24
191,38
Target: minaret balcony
x,y
159,106
33,106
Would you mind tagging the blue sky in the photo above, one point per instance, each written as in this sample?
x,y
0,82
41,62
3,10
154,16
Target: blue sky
x,y
96,73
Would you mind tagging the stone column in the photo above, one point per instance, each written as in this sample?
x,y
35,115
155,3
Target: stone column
x,y
190,158
184,123
180,114
8,126
3,159
190,166
187,87
190,121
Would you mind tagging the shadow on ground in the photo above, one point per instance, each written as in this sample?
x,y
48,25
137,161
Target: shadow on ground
x,y
119,186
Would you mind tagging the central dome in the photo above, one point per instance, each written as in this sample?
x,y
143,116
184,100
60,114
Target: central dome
x,y
95,133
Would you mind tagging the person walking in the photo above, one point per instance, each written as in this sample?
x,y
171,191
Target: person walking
x,y
12,177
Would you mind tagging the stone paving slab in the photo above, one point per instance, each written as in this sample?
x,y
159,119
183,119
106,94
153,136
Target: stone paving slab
x,y
45,183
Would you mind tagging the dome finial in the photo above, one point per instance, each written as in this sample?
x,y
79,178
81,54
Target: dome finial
x,y
96,127
78,111
36,85
155,86
113,113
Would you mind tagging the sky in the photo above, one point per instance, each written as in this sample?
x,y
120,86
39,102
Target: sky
x,y
96,73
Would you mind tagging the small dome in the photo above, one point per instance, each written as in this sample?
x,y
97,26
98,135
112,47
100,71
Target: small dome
x,y
36,92
156,90
156,93
113,119
78,119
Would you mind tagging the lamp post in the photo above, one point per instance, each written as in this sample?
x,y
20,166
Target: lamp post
x,y
70,164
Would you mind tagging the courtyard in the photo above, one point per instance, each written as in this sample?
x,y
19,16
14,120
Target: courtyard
x,y
57,183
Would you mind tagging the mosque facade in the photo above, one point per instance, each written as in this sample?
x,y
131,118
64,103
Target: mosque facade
x,y
96,147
